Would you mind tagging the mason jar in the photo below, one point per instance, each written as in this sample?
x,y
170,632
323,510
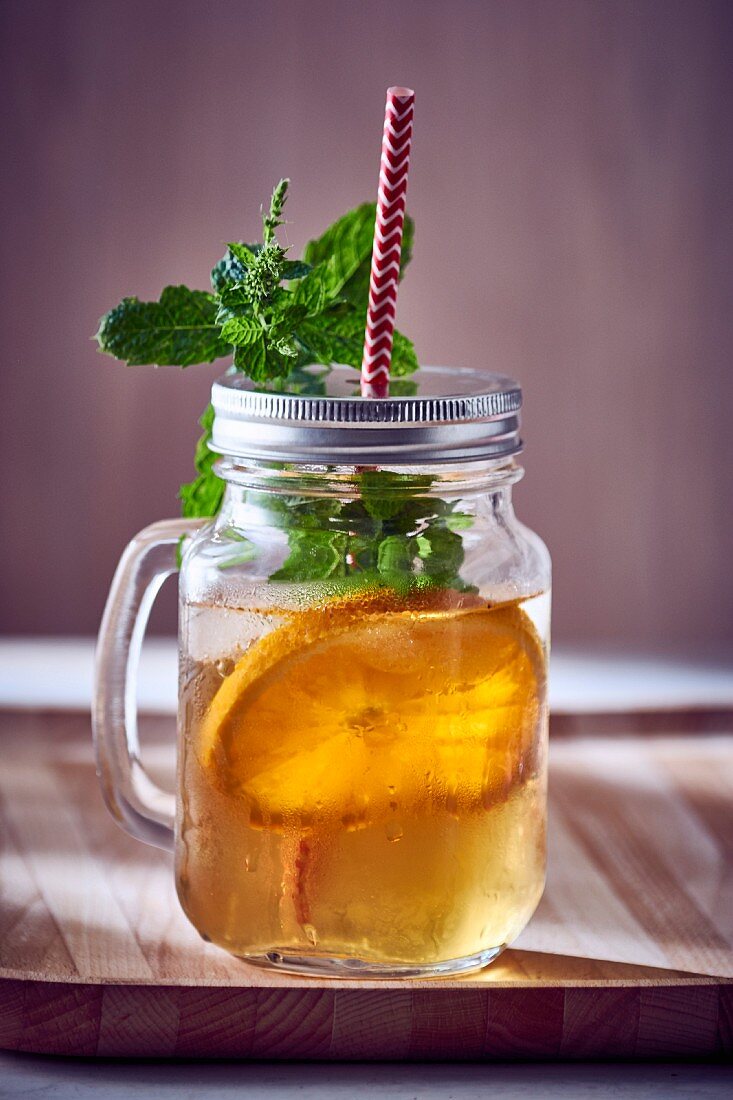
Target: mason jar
x,y
363,637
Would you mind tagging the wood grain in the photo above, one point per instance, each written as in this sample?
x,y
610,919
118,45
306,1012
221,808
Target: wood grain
x,y
629,955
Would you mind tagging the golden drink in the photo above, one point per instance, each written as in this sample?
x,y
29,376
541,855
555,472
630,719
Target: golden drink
x,y
364,779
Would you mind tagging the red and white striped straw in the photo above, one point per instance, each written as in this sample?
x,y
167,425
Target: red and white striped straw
x,y
387,248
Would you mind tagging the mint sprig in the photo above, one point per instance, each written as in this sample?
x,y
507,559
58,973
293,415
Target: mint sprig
x,y
179,330
203,495
275,315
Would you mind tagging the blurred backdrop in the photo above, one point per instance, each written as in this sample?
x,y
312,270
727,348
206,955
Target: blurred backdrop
x,y
570,183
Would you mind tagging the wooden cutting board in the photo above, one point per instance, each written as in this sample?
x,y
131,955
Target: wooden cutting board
x,y
629,955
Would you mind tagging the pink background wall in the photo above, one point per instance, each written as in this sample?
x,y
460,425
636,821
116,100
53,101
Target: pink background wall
x,y
571,187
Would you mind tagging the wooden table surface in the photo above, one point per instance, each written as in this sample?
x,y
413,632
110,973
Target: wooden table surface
x,y
630,953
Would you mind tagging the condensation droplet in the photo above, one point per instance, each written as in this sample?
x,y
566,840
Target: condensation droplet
x,y
394,832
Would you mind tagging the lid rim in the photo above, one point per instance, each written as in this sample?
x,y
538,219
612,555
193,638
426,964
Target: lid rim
x,y
460,415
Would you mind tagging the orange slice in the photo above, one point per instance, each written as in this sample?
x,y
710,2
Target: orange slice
x,y
354,706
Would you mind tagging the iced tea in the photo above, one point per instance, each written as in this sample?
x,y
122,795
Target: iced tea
x,y
364,779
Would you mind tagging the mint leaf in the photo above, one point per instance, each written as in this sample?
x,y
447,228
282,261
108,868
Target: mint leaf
x,y
203,495
295,269
314,555
234,298
317,345
179,330
241,331
346,243
384,493
246,254
396,554
442,554
252,360
278,364
317,289
230,269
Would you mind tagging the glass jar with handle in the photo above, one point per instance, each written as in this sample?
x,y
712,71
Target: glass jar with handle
x,y
363,636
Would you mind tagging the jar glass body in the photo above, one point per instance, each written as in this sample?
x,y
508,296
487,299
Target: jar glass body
x,y
363,718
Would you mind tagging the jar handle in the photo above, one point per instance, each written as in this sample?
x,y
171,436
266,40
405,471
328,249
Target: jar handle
x,y
137,803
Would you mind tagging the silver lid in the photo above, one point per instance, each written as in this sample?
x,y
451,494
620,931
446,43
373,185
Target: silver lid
x,y
437,415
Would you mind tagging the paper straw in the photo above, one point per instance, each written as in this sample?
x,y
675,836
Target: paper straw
x,y
387,249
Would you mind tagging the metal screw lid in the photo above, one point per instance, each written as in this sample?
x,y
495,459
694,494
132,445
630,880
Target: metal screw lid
x,y
437,414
